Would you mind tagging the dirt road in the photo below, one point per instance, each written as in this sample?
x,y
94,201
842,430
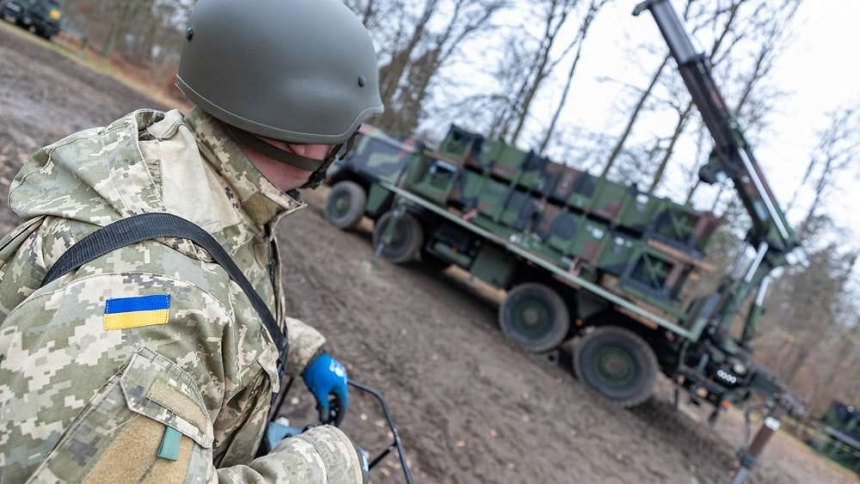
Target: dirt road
x,y
471,407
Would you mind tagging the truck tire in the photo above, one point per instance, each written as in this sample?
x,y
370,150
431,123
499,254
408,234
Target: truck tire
x,y
345,204
406,241
535,317
617,364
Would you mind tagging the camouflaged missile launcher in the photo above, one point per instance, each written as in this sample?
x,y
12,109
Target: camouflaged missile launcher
x,y
615,204
645,246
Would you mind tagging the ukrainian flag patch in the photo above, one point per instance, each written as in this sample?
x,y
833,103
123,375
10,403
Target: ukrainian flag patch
x,y
135,312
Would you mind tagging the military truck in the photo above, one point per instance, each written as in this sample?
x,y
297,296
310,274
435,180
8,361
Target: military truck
x,y
43,16
598,271
837,435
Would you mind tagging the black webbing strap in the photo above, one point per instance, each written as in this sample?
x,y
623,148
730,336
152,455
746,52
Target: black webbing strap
x,y
147,226
318,168
275,153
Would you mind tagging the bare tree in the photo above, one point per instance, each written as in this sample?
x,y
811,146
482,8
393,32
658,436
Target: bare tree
x,y
684,114
812,300
767,29
593,9
836,154
391,74
553,15
634,116
639,105
406,79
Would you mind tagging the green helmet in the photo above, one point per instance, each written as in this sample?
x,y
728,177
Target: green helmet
x,y
300,71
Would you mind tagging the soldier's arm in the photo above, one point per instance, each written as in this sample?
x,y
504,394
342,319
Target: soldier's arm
x,y
142,376
305,343
322,454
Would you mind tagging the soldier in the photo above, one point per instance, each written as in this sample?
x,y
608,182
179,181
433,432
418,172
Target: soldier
x,y
149,363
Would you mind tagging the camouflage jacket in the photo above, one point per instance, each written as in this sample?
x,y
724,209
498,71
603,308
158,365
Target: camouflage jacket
x,y
149,363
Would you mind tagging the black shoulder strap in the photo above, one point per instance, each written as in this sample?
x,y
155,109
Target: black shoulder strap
x,y
139,228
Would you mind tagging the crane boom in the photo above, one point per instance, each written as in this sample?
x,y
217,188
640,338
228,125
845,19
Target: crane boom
x,y
732,156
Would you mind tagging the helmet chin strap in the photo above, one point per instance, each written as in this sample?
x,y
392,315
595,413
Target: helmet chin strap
x,y
317,167
319,174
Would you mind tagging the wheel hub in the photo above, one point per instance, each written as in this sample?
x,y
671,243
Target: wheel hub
x,y
615,365
341,204
533,319
531,316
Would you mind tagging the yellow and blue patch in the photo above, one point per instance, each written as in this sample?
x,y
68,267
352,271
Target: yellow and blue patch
x,y
135,312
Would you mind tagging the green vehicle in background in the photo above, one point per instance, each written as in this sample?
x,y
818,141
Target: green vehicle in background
x,y
43,16
356,182
597,274
837,435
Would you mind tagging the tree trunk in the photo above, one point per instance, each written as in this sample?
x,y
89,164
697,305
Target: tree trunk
x,y
119,25
540,74
583,32
667,154
368,12
628,128
549,132
504,124
390,75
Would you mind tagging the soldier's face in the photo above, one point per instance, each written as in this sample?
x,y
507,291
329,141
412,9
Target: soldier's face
x,y
282,175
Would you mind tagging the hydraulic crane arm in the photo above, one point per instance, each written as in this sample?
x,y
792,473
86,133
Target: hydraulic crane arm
x,y
732,156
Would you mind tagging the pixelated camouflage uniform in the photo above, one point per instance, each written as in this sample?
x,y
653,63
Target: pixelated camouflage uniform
x,y
79,402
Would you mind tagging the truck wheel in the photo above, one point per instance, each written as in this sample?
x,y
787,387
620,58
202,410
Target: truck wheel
x,y
617,364
345,204
406,239
534,316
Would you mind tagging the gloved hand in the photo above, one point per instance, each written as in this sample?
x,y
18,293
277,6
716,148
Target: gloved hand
x,y
326,377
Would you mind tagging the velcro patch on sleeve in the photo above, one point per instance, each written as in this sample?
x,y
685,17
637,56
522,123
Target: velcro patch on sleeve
x,y
177,402
135,312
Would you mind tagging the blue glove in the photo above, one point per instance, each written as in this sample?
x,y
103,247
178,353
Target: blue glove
x,y
326,377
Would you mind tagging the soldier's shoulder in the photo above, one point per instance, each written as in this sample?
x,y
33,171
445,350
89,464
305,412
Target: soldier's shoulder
x,y
127,125
141,262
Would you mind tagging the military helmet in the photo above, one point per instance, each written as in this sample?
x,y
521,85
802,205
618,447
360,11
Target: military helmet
x,y
300,71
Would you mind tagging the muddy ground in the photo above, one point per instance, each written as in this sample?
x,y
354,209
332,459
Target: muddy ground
x,y
471,407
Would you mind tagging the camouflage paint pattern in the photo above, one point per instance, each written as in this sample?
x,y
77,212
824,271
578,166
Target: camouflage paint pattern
x,y
432,178
577,221
378,155
82,403
520,211
599,198
838,435
459,145
574,239
561,179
